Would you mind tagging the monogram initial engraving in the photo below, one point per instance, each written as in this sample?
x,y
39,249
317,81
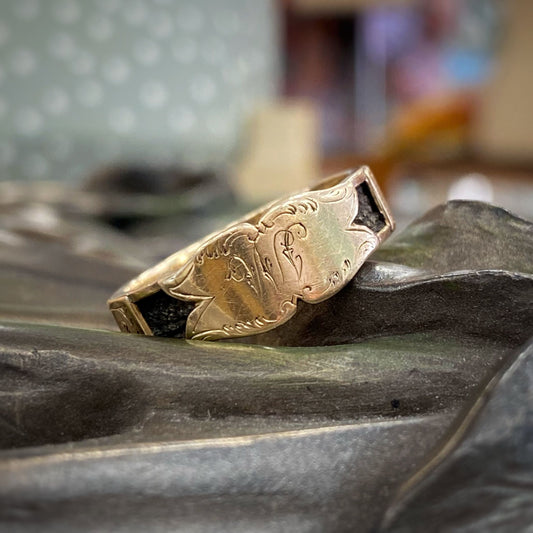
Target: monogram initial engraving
x,y
248,278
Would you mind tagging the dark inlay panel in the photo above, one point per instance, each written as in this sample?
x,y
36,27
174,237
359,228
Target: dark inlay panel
x,y
369,214
166,316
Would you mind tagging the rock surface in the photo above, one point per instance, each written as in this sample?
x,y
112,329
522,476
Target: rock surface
x,y
310,427
482,479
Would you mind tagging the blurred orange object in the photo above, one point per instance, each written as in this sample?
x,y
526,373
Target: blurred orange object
x,y
433,128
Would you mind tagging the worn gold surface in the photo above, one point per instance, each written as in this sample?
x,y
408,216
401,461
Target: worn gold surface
x,y
248,278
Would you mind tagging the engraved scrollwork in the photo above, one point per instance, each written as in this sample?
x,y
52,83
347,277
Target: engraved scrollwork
x,y
301,206
249,277
124,320
337,194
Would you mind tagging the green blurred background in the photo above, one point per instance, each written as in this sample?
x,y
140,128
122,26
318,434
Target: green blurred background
x,y
270,95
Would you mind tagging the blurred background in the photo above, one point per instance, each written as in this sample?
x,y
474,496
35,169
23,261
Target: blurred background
x,y
166,118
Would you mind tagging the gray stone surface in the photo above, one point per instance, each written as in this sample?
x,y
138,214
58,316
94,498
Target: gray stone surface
x,y
482,478
104,431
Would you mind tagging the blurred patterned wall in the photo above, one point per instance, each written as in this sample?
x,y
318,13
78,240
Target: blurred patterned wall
x,y
89,82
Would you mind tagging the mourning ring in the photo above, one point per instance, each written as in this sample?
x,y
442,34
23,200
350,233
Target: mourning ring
x,y
247,278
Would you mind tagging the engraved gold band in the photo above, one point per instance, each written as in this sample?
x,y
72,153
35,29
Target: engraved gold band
x,y
247,278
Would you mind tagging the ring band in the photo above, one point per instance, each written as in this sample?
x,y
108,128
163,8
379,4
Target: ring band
x,y
247,278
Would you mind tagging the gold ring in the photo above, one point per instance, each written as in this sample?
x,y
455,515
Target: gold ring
x,y
247,278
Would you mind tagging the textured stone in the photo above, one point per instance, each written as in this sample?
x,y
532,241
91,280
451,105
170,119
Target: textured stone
x,y
482,479
314,430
